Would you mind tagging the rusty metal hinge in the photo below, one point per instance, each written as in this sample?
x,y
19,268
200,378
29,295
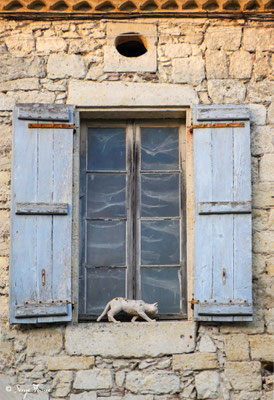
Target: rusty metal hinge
x,y
52,126
192,302
217,125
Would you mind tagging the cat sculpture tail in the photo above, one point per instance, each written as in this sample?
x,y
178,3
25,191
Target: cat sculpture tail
x,y
107,308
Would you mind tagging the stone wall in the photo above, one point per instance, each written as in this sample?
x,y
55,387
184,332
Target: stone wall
x,y
215,62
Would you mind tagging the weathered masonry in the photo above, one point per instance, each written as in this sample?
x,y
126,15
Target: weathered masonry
x,y
136,160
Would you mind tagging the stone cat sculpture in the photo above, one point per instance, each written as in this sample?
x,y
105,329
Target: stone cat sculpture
x,y
137,308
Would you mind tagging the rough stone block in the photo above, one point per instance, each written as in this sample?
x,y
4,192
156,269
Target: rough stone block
x,y
155,382
64,379
189,70
226,91
130,396
245,395
263,242
261,347
237,347
257,114
269,319
20,84
207,345
244,375
47,45
195,361
63,66
66,362
240,65
259,92
178,50
44,341
20,44
261,66
207,384
84,396
18,67
270,113
258,39
216,64
262,196
129,94
93,379
227,38
135,340
267,168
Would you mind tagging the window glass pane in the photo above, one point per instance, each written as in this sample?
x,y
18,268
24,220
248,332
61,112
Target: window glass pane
x,y
160,195
106,149
160,243
106,195
106,243
103,284
159,148
162,285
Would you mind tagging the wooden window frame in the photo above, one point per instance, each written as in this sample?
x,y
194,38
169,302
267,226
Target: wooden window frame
x,y
106,114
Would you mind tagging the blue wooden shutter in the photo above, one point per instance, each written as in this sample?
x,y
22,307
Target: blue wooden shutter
x,y
223,272
41,214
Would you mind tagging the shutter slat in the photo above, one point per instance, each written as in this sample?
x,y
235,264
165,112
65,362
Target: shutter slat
x,y
227,215
35,206
41,310
41,208
224,207
43,112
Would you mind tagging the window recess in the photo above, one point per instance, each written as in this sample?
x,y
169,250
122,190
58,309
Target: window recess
x,y
132,212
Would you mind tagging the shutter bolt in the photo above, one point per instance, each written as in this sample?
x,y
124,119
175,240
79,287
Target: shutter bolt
x,y
230,301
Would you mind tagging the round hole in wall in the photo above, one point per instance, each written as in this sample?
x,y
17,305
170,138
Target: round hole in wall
x,y
131,44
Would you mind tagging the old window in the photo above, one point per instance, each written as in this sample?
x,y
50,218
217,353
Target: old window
x,y
132,206
132,215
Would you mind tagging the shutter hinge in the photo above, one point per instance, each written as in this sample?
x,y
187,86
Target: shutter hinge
x,y
192,302
52,126
217,125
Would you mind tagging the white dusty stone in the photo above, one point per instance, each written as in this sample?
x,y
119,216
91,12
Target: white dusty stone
x,y
227,38
240,64
130,396
207,384
135,340
49,45
244,375
20,84
93,379
63,66
18,67
189,70
226,91
269,319
263,241
270,113
155,382
20,44
245,395
261,347
258,39
237,347
216,64
88,93
195,361
84,396
267,168
261,66
36,396
258,92
94,72
262,139
34,96
207,345
177,50
120,378
257,114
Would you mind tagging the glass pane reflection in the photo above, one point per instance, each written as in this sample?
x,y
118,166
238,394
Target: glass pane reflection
x,y
162,285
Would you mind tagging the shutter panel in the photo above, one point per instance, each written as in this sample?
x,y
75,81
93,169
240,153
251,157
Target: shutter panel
x,y
41,213
222,167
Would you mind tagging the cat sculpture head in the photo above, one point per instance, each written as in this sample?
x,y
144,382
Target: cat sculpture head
x,y
152,308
